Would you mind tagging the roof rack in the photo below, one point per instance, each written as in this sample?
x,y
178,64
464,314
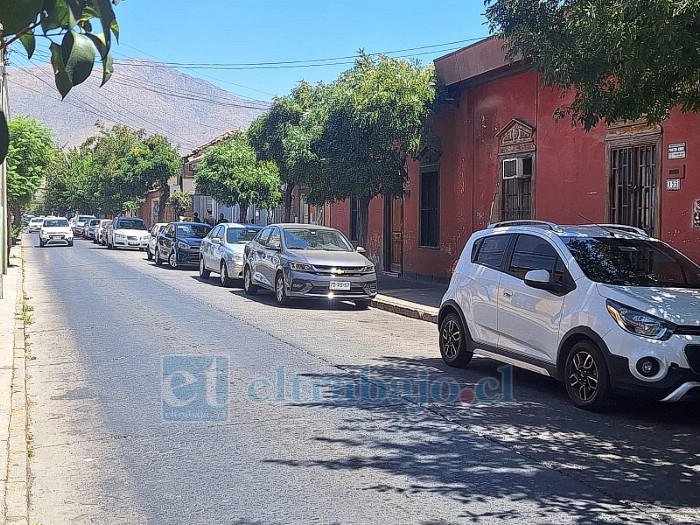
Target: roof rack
x,y
525,222
622,227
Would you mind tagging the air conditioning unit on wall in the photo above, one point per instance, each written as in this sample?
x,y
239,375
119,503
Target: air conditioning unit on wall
x,y
518,168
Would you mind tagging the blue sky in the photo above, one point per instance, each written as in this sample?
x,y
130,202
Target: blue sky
x,y
247,32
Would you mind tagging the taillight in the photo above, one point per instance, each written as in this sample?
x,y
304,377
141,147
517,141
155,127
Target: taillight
x,y
454,265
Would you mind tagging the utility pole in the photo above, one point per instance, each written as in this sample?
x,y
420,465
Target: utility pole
x,y
4,215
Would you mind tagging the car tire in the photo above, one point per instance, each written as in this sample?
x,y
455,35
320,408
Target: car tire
x,y
149,255
586,377
172,260
70,243
156,258
280,293
456,347
362,304
42,243
226,281
248,287
109,245
203,272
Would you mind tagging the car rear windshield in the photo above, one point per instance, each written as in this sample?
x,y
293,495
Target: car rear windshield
x,y
192,231
55,223
94,222
316,239
131,224
241,235
83,218
633,262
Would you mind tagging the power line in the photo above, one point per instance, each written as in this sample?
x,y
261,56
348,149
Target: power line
x,y
315,61
85,106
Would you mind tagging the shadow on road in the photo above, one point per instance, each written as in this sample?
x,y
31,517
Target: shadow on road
x,y
640,452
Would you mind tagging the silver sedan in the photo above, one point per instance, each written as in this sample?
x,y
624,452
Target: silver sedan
x,y
221,251
308,261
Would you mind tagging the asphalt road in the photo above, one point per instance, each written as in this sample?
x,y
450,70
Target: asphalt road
x,y
310,432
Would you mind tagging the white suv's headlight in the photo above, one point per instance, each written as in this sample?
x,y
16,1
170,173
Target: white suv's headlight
x,y
637,322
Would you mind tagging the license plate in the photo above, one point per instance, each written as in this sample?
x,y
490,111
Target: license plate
x,y
339,285
133,243
56,237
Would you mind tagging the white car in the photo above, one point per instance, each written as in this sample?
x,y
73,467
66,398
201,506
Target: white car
x,y
78,224
155,230
97,239
128,232
35,224
55,230
604,308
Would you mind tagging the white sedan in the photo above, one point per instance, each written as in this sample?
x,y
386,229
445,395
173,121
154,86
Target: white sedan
x,y
128,232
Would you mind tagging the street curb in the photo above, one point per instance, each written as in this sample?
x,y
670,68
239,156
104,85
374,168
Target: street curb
x,y
406,308
17,486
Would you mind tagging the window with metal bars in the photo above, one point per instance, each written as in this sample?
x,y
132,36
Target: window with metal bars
x,y
517,188
633,186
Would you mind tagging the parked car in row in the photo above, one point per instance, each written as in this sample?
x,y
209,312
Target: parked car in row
x,y
308,261
179,242
78,223
604,308
97,238
223,251
127,232
35,224
89,228
155,231
55,230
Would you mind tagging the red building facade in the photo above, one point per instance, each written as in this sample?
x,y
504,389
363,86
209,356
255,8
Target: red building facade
x,y
501,155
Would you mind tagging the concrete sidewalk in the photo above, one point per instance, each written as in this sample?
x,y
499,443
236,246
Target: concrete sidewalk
x,y
409,297
13,407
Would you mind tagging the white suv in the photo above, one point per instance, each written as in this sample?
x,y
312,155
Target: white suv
x,y
604,308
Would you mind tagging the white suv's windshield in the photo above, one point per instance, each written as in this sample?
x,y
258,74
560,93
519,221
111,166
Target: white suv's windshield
x,y
55,223
633,262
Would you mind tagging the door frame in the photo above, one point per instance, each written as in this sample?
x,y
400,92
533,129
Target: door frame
x,y
389,202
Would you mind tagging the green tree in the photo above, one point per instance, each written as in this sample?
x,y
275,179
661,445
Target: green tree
x,y
372,119
179,201
111,172
284,136
32,149
150,165
232,174
71,21
623,59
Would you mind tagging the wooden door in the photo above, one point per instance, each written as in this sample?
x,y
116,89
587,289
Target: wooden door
x,y
393,234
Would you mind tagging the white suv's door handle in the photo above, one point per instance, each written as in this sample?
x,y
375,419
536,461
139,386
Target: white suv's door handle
x,y
507,293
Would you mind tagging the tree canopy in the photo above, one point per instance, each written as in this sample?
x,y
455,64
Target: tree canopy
x,y
31,151
232,174
70,27
372,119
623,59
284,136
111,172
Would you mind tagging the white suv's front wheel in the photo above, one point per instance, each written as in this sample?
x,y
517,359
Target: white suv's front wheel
x,y
586,377
454,342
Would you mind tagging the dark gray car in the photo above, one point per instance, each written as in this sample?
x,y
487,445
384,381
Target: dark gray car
x,y
308,261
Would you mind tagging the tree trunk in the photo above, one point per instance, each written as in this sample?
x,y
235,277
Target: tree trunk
x,y
288,201
363,221
162,203
244,212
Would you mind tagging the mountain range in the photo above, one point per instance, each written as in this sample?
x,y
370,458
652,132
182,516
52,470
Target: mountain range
x,y
141,94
